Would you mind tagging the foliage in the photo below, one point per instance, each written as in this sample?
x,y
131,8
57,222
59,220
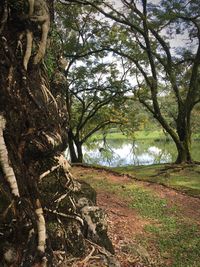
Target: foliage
x,y
95,88
165,75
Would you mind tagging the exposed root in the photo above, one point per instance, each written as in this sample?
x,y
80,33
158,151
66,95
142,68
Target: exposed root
x,y
31,7
43,19
4,16
63,163
41,226
38,13
42,47
66,167
10,77
4,161
58,200
29,42
75,216
88,257
47,93
100,249
49,171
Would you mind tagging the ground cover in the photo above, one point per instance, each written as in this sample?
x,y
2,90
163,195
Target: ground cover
x,y
149,224
185,178
138,135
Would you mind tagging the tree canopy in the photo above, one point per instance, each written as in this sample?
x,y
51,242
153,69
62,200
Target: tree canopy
x,y
145,34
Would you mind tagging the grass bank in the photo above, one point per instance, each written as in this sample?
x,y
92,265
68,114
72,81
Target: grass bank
x,y
185,178
138,135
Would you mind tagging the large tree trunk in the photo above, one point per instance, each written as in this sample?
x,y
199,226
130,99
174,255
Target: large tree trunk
x,y
40,202
181,135
183,143
183,146
184,155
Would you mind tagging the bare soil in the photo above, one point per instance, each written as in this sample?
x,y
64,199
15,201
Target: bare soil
x,y
124,223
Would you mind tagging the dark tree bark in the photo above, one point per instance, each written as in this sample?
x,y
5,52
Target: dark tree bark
x,y
72,150
39,197
75,148
79,151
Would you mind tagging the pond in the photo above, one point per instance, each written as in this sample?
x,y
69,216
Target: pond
x,y
122,152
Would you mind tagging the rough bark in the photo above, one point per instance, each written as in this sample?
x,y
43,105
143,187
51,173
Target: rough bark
x,y
43,209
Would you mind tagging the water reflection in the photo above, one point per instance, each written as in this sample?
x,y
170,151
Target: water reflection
x,y
124,152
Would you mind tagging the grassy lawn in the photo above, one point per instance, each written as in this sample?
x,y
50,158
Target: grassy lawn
x,y
138,135
170,238
183,178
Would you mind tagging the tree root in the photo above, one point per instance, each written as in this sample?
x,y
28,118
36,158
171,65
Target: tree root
x,y
73,216
88,257
4,161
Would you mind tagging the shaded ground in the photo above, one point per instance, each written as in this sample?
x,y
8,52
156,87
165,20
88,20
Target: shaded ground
x,y
149,224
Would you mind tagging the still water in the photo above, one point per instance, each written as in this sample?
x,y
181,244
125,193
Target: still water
x,y
124,152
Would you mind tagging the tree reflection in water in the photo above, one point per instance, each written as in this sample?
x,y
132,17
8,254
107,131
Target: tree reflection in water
x,y
122,152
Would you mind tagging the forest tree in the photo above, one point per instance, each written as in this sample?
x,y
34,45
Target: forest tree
x,y
45,214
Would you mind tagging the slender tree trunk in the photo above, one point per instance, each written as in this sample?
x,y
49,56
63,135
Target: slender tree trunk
x,y
75,148
73,156
79,152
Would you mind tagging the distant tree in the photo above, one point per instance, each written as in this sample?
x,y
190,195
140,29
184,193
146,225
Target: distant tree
x,y
135,117
94,83
93,97
144,33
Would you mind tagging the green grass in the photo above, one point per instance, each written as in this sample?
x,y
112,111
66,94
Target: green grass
x,y
175,239
139,135
144,135
99,136
183,178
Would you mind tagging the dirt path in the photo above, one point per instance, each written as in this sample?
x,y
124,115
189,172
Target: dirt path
x,y
124,223
124,226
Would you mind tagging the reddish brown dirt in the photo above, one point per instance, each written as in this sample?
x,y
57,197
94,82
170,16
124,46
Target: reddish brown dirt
x,y
124,223
124,226
190,206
